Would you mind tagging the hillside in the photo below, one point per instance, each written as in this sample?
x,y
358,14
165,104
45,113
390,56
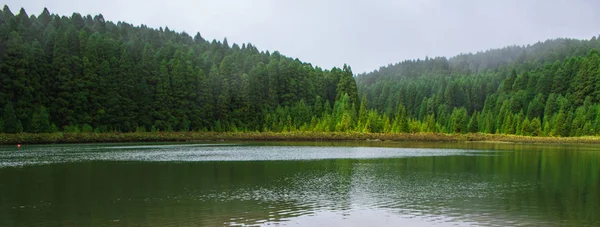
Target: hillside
x,y
86,74
82,73
549,88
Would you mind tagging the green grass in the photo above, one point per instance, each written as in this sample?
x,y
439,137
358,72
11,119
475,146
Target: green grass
x,y
49,138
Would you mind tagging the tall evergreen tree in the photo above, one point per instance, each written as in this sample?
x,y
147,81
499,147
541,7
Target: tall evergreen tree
x,y
11,123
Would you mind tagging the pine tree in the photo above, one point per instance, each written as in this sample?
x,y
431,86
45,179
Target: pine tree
x,y
536,107
562,123
40,122
347,85
11,123
584,82
474,123
15,79
525,128
507,84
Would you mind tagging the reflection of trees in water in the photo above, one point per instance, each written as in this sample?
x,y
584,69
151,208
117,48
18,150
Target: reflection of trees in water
x,y
521,183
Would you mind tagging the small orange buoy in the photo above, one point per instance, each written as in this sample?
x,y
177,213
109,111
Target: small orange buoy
x,y
18,145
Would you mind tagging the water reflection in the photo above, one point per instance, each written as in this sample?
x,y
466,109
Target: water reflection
x,y
500,186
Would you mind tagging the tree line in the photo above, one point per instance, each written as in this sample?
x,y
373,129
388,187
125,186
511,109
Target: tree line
x,y
550,88
85,74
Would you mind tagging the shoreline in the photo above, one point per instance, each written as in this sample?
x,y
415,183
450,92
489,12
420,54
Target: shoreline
x,y
57,138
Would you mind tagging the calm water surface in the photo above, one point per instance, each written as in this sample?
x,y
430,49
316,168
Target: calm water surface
x,y
300,184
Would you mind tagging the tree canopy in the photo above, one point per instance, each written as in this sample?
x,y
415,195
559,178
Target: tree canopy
x,y
550,88
71,73
85,74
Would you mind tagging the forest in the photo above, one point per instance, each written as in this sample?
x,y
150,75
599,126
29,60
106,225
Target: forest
x,y
84,74
551,88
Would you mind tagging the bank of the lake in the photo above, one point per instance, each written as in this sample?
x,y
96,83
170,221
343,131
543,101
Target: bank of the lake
x,y
50,138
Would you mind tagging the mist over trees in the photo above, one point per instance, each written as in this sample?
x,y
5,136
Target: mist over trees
x,y
85,74
550,88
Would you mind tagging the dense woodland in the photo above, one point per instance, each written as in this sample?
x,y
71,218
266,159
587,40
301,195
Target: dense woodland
x,y
550,88
85,74
82,73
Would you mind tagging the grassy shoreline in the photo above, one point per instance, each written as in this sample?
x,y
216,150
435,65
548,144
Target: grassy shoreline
x,y
51,138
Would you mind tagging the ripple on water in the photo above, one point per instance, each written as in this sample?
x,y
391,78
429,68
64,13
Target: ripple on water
x,y
215,185
207,152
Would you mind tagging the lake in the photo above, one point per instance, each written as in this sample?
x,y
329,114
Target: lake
x,y
300,184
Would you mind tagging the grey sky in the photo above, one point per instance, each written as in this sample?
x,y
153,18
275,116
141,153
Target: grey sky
x,y
364,34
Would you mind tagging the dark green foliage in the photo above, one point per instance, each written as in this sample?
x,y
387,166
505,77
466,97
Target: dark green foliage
x,y
536,107
531,128
459,120
83,74
40,121
11,123
549,88
562,124
474,123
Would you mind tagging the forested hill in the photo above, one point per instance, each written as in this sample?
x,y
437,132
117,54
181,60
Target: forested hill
x,y
549,88
82,73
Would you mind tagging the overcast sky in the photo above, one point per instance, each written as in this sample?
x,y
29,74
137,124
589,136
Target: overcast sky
x,y
363,34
